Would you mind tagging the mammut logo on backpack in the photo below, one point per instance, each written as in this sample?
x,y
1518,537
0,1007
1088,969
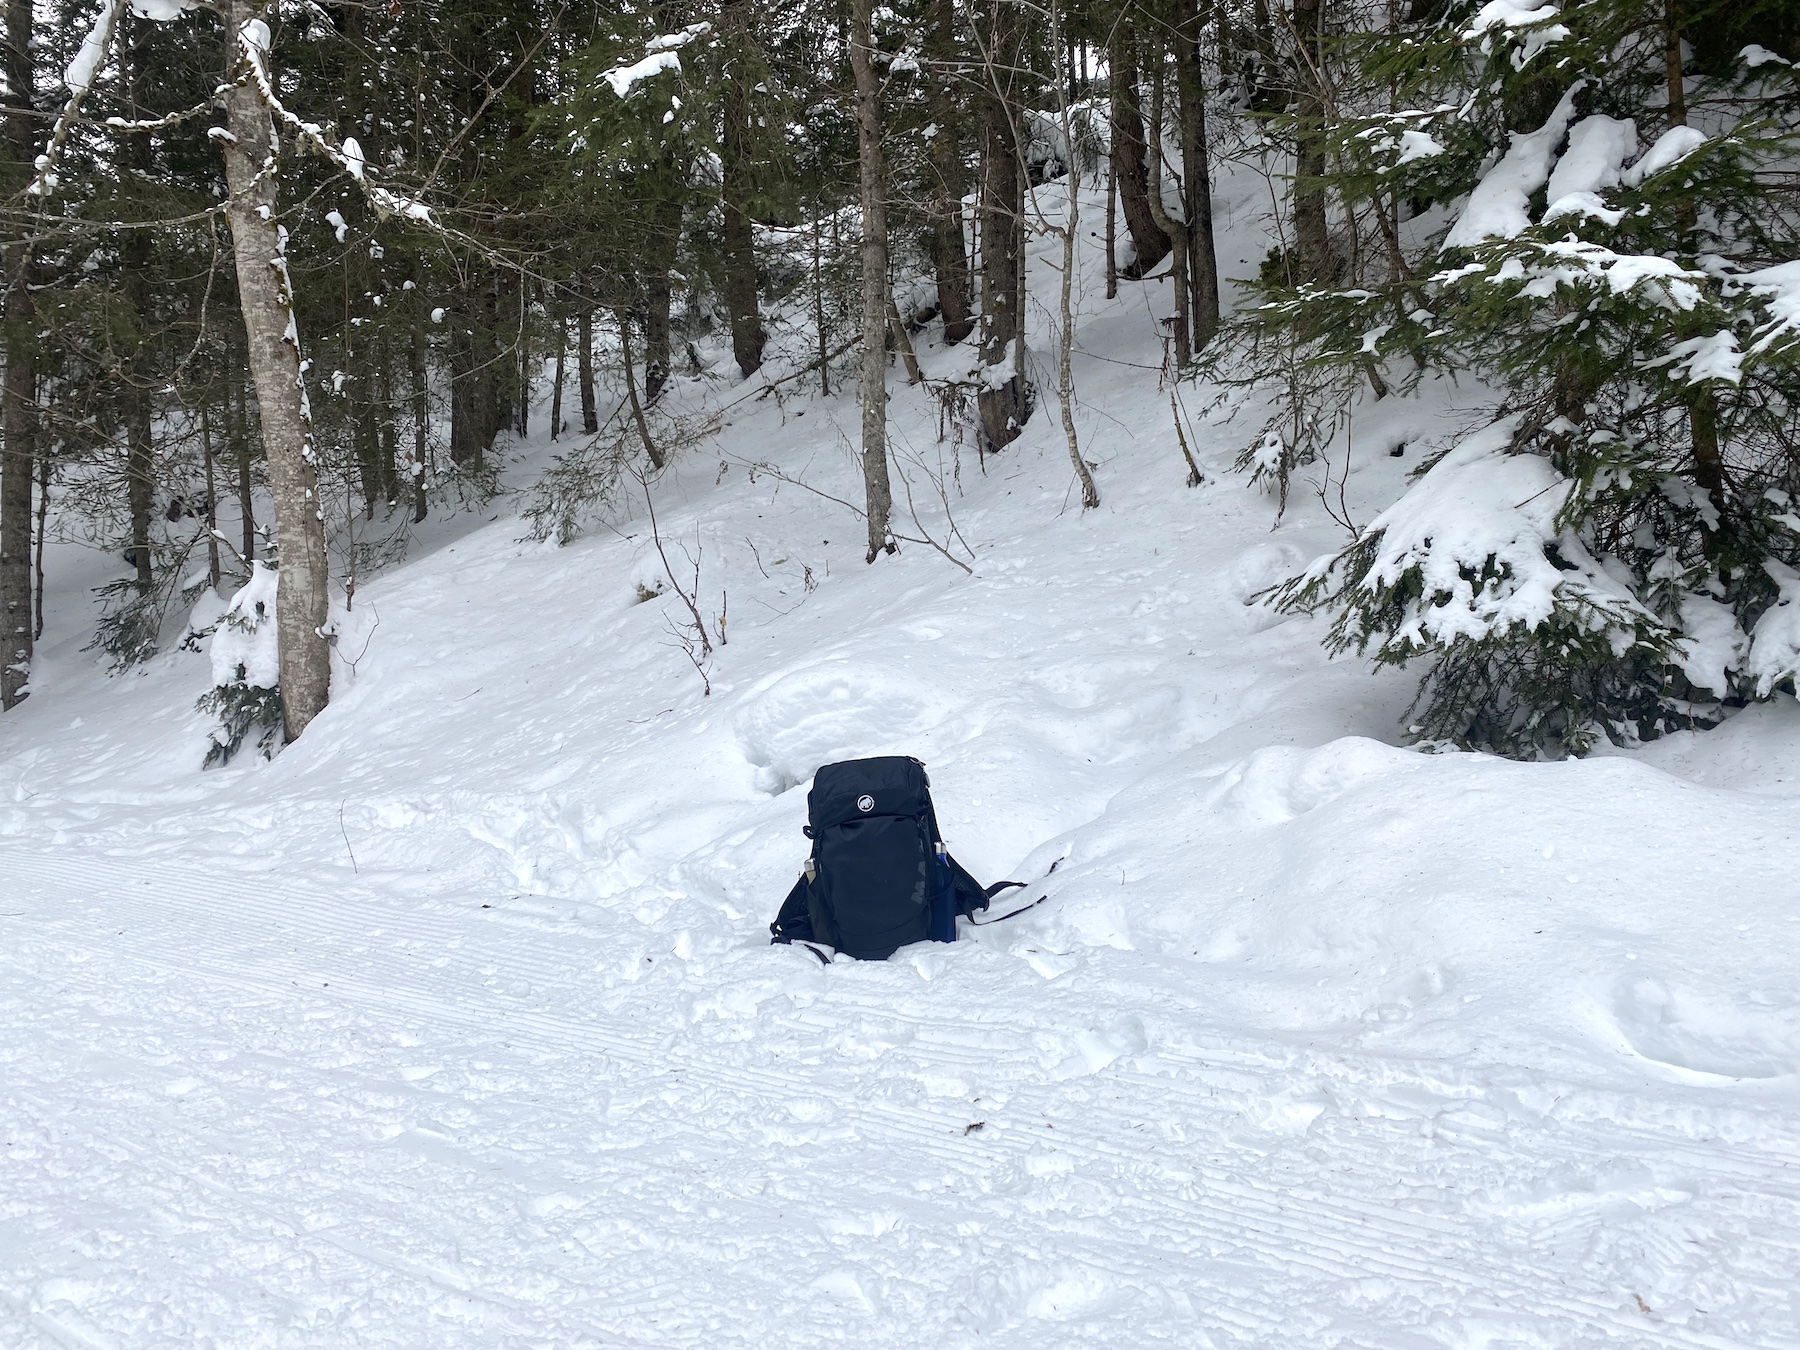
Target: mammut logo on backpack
x,y
865,803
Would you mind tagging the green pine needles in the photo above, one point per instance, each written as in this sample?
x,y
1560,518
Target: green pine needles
x,y
1599,218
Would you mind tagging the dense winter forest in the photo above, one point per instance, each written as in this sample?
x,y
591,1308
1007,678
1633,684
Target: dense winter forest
x,y
279,279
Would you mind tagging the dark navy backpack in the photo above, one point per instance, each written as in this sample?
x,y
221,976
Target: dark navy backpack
x,y
879,876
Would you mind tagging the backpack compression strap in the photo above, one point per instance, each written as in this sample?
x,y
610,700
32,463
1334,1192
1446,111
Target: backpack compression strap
x,y
793,923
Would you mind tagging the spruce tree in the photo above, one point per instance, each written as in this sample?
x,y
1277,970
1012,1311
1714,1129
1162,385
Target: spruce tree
x,y
1604,228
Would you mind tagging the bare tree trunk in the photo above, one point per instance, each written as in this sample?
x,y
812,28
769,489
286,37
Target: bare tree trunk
x,y
584,371
43,514
522,366
15,490
251,166
1112,227
212,497
1065,338
949,251
479,404
876,293
237,430
1149,241
735,157
139,466
18,395
1002,400
903,341
665,238
135,259
818,282
1268,93
556,384
1196,182
387,422
421,411
366,432
465,394
631,392
1174,230
1312,243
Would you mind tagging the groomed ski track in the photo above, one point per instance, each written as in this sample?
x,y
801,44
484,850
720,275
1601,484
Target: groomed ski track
x,y
890,1175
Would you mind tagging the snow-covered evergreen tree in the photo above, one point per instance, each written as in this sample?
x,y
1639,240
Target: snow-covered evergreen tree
x,y
1603,227
246,671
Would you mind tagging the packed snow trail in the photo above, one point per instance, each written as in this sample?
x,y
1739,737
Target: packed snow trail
x,y
456,1025
484,1156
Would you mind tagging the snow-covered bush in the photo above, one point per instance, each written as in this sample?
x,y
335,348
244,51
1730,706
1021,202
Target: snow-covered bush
x,y
246,671
1531,634
1615,256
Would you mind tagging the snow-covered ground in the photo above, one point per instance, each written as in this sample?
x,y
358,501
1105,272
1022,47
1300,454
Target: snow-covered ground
x,y
456,1025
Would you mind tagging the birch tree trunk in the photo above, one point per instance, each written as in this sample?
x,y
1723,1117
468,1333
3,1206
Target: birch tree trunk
x,y
1065,336
872,375
251,171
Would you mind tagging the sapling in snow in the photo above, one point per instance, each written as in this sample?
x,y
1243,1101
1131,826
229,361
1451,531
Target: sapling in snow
x,y
246,671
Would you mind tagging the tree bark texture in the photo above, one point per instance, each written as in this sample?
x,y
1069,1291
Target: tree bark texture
x,y
1149,242
387,417
584,372
871,382
237,430
735,157
421,411
1174,230
949,250
135,367
1312,242
1065,337
1196,180
560,378
665,238
477,407
266,297
1002,400
18,395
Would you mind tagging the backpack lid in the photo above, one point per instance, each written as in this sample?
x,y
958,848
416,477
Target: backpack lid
x,y
855,789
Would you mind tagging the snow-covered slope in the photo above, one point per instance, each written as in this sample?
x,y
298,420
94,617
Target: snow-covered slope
x,y
456,1025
